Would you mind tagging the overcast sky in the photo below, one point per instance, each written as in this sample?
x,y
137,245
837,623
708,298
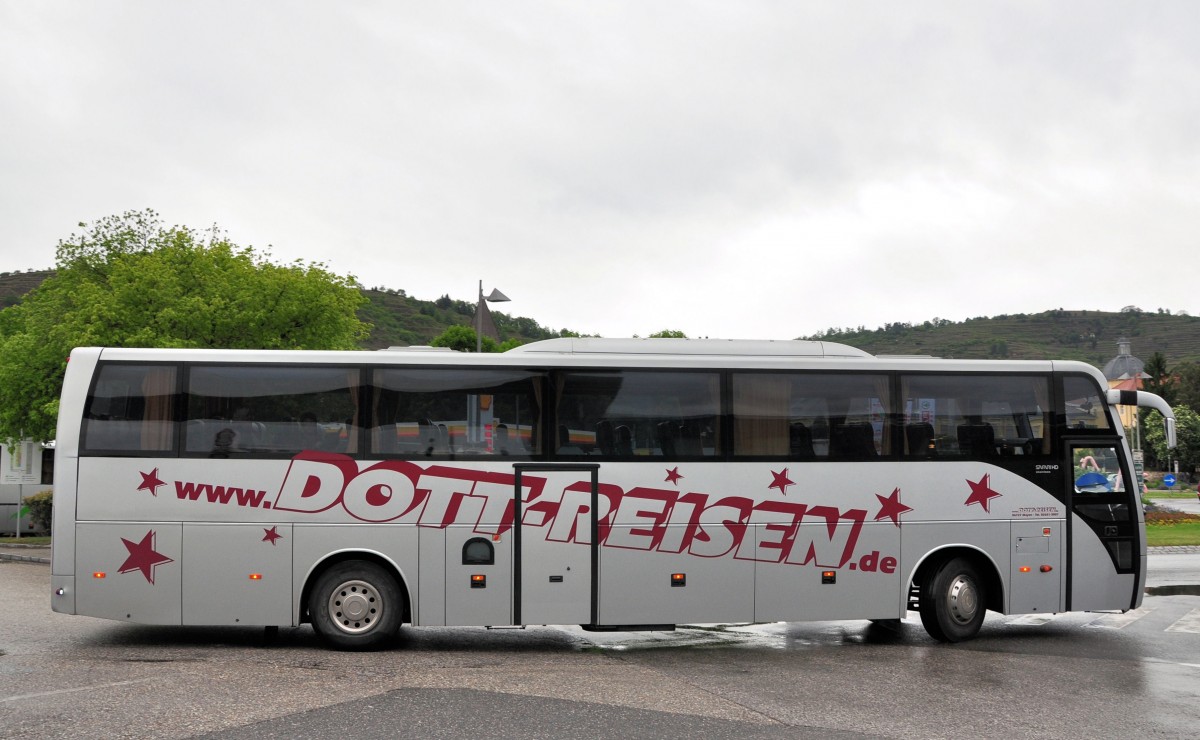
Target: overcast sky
x,y
729,169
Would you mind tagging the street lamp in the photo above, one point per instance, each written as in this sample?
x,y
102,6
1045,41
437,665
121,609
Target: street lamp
x,y
494,297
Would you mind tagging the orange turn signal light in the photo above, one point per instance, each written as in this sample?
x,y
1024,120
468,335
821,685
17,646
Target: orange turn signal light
x,y
99,574
478,581
1025,569
256,576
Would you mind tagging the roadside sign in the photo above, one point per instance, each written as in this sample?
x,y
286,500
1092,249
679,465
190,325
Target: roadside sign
x,y
1169,480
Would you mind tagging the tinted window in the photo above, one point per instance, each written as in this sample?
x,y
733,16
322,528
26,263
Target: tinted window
x,y
808,416
240,410
447,411
638,414
131,409
1084,407
975,415
47,467
478,551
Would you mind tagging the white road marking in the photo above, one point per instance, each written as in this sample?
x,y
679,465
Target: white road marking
x,y
18,697
1119,621
1031,620
1189,622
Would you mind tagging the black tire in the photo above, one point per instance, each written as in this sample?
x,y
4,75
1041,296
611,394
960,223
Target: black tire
x,y
356,605
953,601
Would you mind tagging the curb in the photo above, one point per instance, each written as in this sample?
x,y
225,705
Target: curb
x,y
24,558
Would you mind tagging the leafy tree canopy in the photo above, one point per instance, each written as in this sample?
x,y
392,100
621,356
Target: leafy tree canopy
x,y
1187,434
1187,385
1160,381
462,339
127,281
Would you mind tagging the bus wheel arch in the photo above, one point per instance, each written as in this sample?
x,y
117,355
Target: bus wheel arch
x,y
355,600
955,587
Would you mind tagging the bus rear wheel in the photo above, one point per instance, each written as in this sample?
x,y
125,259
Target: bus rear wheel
x,y
953,601
356,605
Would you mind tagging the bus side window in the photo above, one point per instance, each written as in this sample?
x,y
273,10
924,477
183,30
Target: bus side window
x,y
978,416
422,412
1098,478
1084,408
635,414
131,408
810,416
271,410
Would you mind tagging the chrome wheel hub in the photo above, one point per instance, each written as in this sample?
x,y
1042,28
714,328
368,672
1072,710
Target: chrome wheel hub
x,y
355,607
963,600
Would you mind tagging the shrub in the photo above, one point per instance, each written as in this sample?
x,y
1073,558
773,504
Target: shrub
x,y
41,510
1169,518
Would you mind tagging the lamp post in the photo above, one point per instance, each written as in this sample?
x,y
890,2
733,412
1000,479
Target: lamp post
x,y
494,297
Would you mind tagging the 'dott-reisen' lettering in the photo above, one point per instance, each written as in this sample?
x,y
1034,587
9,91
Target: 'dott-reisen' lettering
x,y
638,519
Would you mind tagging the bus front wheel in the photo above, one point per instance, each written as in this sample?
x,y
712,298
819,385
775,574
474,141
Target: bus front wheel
x,y
952,601
355,605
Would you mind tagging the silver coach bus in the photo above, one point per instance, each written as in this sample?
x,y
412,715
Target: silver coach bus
x,y
613,484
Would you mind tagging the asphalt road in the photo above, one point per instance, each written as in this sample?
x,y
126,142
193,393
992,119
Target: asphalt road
x,y
1067,676
1189,505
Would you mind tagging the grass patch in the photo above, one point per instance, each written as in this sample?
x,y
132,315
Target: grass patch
x,y
1172,528
24,540
1170,494
1184,533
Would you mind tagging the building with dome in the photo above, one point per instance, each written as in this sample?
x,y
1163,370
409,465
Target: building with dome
x,y
1126,372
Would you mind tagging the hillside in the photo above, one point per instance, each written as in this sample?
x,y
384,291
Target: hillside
x,y
399,320
13,285
1091,336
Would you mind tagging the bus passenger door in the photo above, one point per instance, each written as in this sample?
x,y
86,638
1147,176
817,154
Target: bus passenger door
x,y
555,543
1105,550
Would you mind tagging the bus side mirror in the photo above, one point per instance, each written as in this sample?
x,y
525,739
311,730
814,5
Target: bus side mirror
x,y
1148,400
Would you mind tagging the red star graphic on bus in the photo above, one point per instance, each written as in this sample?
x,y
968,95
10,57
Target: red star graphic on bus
x,y
143,557
981,492
781,481
271,535
891,508
151,482
673,475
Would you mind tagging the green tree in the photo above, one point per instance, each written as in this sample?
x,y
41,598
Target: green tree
x,y
1187,433
668,334
462,339
1187,388
1160,381
127,281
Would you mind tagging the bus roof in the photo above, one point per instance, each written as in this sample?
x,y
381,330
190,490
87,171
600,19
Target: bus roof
x,y
719,347
596,352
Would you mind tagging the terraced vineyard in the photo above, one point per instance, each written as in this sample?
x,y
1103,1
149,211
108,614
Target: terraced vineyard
x,y
1090,336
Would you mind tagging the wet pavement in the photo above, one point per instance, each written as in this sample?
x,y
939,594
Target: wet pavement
x,y
1187,505
1070,675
